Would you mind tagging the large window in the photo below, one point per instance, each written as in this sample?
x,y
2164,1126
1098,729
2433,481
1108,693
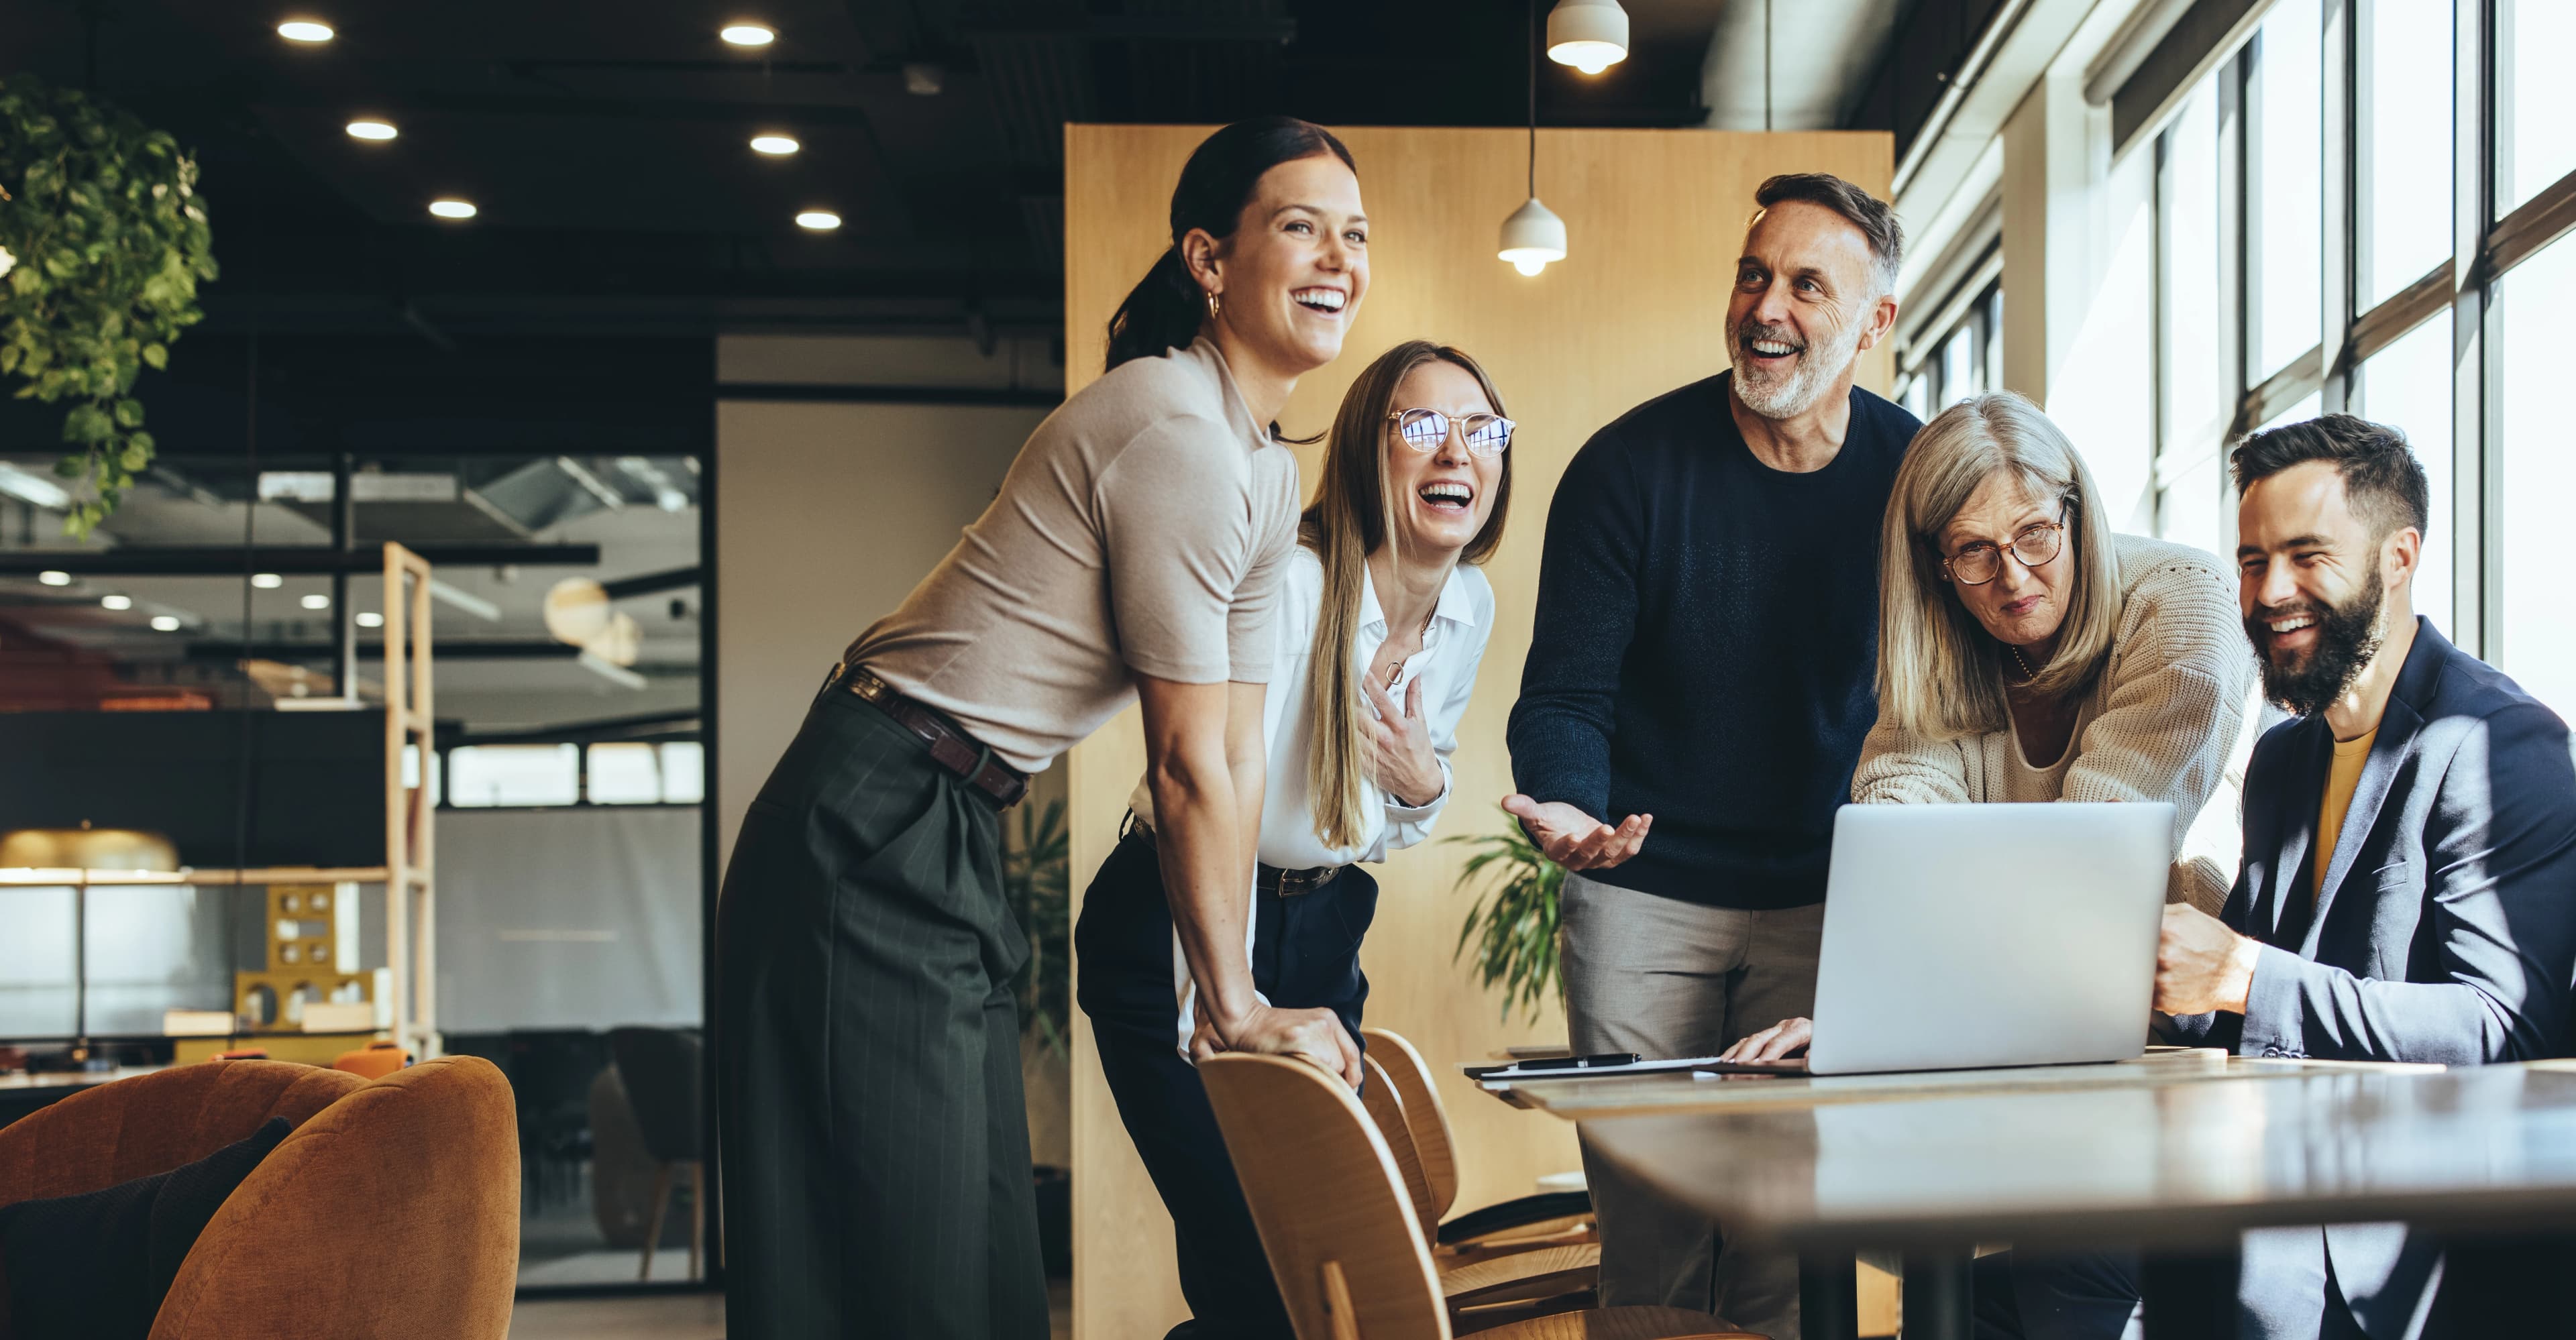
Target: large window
x,y
1965,357
2307,196
2403,84
2538,646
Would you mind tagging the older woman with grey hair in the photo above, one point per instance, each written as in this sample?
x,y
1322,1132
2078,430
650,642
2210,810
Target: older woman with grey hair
x,y
2027,653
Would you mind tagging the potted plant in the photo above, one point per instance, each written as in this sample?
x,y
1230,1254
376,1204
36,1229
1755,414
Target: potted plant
x,y
1037,880
1513,923
103,241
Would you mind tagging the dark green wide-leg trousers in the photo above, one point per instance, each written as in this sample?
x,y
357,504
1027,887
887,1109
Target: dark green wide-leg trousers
x,y
876,1153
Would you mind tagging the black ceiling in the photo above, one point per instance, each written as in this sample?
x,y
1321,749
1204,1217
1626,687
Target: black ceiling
x,y
605,141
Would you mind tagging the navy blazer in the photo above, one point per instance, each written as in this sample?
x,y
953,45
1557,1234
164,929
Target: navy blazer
x,y
2446,929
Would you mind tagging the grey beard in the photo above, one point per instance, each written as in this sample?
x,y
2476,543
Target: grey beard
x,y
1794,395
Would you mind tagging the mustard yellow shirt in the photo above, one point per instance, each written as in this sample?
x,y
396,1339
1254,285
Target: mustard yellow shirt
x,y
2349,755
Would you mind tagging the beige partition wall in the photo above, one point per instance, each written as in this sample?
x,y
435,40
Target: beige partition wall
x,y
1655,220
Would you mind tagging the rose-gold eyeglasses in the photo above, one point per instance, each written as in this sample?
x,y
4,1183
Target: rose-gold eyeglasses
x,y
1982,562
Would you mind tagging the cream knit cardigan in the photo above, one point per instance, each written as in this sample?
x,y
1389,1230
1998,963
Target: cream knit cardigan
x,y
2166,720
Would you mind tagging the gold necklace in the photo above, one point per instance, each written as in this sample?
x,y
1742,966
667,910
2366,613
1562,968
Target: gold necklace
x,y
2027,674
1395,667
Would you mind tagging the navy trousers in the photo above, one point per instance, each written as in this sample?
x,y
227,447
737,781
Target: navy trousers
x,y
1305,956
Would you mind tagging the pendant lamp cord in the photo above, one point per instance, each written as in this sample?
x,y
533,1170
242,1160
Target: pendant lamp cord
x,y
1533,99
1766,64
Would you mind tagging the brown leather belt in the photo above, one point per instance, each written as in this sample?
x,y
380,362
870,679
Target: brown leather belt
x,y
950,746
1269,879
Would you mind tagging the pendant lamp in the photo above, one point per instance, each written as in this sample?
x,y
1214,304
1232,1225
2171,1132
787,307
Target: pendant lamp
x,y
1533,235
1590,35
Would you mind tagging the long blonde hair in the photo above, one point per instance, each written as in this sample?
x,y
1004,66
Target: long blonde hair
x,y
1940,674
1350,517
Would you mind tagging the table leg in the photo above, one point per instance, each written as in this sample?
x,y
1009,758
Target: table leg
x,y
1828,1296
1938,1301
2190,1297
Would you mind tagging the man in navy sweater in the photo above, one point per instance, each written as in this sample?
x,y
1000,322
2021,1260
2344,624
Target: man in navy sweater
x,y
1699,680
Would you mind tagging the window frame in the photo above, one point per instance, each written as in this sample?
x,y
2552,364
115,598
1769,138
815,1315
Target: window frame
x,y
2465,285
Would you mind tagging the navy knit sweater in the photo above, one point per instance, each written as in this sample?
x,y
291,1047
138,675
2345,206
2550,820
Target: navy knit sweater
x,y
1706,645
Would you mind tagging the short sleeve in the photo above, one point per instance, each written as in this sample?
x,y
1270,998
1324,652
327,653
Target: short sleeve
x,y
1180,538
1252,622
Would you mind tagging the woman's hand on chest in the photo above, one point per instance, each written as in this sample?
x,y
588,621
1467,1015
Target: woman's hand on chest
x,y
1406,766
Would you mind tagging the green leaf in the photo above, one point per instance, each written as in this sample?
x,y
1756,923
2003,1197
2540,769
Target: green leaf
x,y
156,355
129,413
88,424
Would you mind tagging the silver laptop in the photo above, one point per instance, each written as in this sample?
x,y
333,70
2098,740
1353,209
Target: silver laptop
x,y
1961,936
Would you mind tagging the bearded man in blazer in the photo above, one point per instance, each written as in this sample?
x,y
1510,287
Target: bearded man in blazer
x,y
2408,891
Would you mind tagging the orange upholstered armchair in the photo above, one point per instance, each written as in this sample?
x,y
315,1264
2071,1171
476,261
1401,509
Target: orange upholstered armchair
x,y
391,1212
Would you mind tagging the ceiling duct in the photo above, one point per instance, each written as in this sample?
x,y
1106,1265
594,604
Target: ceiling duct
x,y
1821,54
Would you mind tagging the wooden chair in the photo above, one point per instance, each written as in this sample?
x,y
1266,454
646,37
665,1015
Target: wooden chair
x,y
1546,1270
1339,1226
660,1068
1547,1219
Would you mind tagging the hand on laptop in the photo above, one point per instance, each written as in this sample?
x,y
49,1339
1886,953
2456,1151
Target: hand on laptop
x,y
2201,965
1574,839
1777,1043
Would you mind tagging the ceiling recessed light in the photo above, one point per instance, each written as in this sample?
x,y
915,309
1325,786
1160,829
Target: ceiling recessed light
x,y
267,581
317,601
820,220
304,30
53,578
372,130
749,34
774,144
116,602
165,623
452,209
370,619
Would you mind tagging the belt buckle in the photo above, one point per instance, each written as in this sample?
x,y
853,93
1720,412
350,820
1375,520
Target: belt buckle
x,y
868,686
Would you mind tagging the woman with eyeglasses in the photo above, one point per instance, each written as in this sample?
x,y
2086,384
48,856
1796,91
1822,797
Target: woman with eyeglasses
x,y
2027,653
1383,617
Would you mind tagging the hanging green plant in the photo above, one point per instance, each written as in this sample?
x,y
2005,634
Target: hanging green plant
x,y
102,244
1513,923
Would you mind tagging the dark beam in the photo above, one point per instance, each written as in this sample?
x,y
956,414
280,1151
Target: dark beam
x,y
193,561
889,395
222,651
653,583
606,728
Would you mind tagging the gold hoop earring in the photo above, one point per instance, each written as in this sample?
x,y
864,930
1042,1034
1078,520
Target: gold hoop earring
x,y
1215,303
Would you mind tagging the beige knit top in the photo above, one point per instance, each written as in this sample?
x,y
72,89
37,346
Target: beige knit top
x,y
2166,720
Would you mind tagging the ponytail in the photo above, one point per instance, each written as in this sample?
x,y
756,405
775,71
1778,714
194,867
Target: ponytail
x,y
1161,313
1166,308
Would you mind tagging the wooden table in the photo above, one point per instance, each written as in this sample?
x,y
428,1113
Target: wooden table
x,y
2175,1167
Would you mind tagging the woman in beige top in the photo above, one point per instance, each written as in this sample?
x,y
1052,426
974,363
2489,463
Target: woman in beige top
x,y
875,1147
2026,653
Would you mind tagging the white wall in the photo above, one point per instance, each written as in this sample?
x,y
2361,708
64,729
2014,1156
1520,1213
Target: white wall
x,y
826,515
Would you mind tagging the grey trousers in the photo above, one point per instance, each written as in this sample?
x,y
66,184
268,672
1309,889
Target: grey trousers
x,y
876,1152
1664,978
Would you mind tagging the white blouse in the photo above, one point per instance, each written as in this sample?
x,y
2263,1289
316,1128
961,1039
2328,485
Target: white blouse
x,y
1452,647
1461,623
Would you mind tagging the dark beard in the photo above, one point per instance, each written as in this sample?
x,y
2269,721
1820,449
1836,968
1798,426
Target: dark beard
x,y
2348,635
